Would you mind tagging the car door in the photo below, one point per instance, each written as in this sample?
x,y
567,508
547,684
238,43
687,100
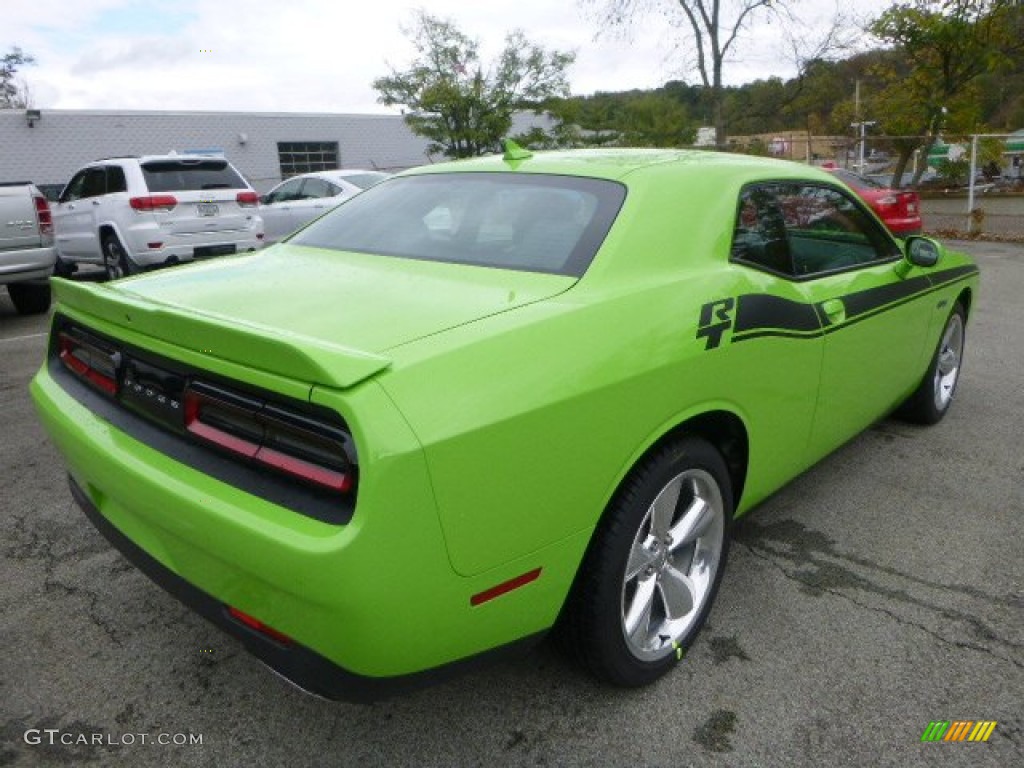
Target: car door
x,y
75,215
874,315
276,210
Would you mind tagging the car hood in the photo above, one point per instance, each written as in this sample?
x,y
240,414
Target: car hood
x,y
323,316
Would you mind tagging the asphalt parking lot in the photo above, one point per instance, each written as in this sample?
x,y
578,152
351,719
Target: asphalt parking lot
x,y
880,591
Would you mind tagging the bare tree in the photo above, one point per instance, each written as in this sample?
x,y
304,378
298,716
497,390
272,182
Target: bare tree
x,y
14,92
715,27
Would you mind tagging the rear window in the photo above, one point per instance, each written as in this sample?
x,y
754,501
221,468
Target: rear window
x,y
184,175
527,222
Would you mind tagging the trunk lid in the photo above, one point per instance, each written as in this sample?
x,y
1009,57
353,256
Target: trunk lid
x,y
324,317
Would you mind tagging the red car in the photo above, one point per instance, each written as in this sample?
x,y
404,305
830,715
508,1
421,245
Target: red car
x,y
900,209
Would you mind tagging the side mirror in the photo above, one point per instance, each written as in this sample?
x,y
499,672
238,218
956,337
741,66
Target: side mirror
x,y
264,199
923,251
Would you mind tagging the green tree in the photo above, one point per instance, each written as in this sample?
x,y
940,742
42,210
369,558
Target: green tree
x,y
449,96
14,95
633,118
947,45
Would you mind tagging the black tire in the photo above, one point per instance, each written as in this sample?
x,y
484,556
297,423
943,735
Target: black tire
x,y
30,298
934,395
116,261
618,618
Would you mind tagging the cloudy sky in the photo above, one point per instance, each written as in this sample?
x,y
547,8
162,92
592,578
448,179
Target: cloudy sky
x,y
322,55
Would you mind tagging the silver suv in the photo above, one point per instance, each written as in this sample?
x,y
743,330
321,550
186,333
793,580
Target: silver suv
x,y
134,213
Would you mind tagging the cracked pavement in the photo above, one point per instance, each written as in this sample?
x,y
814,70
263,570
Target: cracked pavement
x,y
879,591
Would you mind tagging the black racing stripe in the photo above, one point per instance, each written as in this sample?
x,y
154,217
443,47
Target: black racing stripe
x,y
776,333
759,316
863,302
756,311
952,275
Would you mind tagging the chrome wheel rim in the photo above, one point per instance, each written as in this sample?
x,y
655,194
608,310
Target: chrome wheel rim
x,y
112,261
672,564
947,367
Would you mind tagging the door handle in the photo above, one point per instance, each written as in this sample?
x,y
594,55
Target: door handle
x,y
95,202
834,310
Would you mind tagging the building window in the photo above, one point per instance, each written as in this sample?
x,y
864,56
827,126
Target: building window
x,y
306,156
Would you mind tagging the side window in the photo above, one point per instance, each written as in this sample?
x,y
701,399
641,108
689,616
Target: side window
x,y
115,179
315,188
73,191
286,192
802,230
95,182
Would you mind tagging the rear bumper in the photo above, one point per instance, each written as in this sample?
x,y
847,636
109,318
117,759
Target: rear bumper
x,y
301,666
17,266
372,607
181,249
904,227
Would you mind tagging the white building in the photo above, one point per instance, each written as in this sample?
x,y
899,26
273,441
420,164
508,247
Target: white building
x,y
47,146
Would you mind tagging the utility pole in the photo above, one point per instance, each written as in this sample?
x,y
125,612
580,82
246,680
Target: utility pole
x,y
861,125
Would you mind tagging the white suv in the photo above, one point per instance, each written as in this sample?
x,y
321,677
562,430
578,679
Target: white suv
x,y
135,213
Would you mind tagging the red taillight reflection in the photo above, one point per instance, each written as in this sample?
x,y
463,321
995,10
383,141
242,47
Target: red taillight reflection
x,y
253,623
153,203
89,363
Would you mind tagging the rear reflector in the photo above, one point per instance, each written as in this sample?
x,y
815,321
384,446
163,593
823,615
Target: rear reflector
x,y
253,623
90,363
153,203
505,587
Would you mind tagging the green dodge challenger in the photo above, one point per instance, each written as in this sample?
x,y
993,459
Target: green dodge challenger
x,y
491,398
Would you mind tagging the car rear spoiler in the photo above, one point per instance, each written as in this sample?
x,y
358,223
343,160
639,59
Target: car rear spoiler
x,y
269,349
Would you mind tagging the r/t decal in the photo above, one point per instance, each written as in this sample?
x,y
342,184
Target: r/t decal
x,y
715,320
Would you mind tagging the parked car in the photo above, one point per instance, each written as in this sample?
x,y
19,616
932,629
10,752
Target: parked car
x,y
493,397
300,199
26,246
900,209
129,214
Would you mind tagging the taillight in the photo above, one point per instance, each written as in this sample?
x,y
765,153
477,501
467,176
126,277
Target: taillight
x,y
153,203
89,362
43,215
247,199
291,443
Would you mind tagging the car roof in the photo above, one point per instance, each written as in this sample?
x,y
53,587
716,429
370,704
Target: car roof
x,y
156,158
339,173
619,163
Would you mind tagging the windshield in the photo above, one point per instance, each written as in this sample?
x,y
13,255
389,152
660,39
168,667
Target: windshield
x,y
528,222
